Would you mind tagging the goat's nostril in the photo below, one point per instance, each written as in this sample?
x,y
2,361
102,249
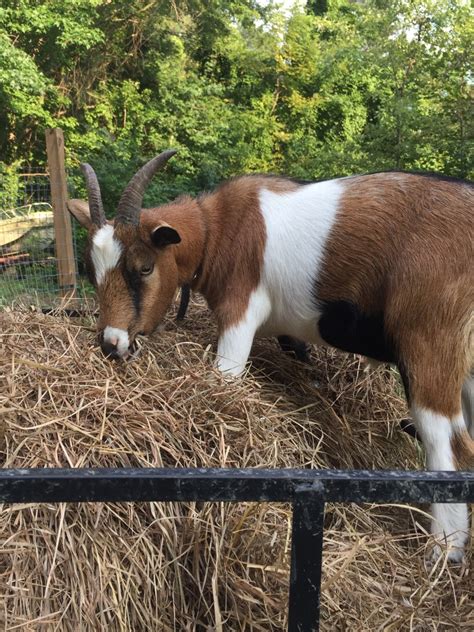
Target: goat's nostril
x,y
109,349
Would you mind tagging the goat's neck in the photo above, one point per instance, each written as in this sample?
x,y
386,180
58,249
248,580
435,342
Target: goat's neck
x,y
222,239
201,225
233,245
186,217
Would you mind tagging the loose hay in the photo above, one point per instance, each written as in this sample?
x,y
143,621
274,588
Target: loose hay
x,y
204,567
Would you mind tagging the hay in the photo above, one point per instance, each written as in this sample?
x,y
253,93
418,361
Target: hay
x,y
191,567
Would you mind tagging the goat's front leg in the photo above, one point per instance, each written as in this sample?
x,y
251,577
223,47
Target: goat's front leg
x,y
235,341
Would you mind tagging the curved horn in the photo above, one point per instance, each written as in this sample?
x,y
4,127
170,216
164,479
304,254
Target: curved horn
x,y
93,193
128,210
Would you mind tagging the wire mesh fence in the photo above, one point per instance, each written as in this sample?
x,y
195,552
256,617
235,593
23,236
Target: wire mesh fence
x,y
28,239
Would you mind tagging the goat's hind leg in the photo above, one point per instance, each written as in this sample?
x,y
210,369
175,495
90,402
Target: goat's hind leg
x,y
435,401
449,520
301,349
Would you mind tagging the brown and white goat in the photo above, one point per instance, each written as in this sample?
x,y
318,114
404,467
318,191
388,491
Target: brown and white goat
x,y
380,265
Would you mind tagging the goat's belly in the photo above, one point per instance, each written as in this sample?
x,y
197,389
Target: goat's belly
x,y
288,324
338,324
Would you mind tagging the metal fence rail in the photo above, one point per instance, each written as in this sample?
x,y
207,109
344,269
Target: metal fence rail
x,y
307,490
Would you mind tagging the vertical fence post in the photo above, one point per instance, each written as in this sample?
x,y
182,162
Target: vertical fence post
x,y
62,220
306,560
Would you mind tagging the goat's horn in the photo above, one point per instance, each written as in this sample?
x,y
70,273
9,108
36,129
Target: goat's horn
x,y
128,210
93,193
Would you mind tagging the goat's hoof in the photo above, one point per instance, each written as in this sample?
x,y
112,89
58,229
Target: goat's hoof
x,y
456,556
454,549
408,426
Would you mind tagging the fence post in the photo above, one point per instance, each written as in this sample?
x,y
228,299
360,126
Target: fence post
x,y
62,220
306,559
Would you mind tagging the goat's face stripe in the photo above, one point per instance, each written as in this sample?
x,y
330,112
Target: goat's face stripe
x,y
105,252
134,284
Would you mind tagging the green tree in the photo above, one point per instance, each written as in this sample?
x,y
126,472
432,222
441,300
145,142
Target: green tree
x,y
379,85
337,87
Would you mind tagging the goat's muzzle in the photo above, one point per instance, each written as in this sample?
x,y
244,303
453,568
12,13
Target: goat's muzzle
x,y
113,348
110,350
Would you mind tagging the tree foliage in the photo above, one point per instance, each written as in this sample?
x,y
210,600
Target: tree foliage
x,y
333,88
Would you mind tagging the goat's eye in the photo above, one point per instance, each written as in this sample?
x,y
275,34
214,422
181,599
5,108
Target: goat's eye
x,y
146,270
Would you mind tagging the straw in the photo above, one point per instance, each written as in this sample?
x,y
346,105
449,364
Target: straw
x,y
204,567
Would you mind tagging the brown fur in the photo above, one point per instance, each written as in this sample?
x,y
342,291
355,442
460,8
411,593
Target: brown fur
x,y
235,243
404,246
222,245
463,449
401,249
390,252
116,306
223,241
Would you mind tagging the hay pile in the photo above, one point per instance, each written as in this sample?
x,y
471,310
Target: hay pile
x,y
193,567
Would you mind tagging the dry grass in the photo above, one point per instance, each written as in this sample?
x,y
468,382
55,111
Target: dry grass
x,y
193,567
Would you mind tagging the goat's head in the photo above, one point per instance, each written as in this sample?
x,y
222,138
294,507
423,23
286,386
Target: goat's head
x,y
131,264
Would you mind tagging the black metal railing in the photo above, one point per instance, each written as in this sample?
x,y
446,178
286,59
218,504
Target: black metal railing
x,y
307,490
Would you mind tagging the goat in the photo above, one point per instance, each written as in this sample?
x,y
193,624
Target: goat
x,y
380,265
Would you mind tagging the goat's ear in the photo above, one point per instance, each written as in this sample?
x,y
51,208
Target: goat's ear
x,y
164,235
80,210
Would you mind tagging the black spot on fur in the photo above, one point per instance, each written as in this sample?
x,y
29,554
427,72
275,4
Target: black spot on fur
x,y
89,268
345,327
134,283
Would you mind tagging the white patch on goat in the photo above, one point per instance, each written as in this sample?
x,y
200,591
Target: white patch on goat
x,y
118,338
235,342
105,252
297,224
450,520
